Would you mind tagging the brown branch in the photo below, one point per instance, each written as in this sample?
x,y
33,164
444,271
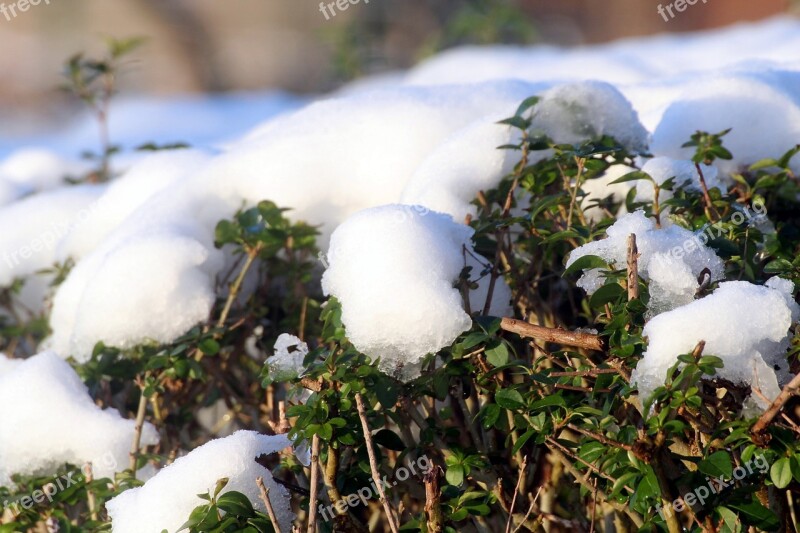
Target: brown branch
x,y
137,431
769,415
517,488
373,463
311,384
633,268
265,498
313,485
575,339
433,508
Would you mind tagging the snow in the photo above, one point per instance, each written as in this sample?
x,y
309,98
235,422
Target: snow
x,y
393,268
761,107
685,175
161,257
672,258
42,402
146,266
576,112
38,169
746,325
124,195
287,362
469,161
166,500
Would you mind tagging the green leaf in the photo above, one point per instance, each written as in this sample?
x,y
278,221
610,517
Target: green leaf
x,y
587,262
778,266
455,475
730,522
636,175
718,464
525,437
607,294
236,504
781,472
509,399
209,346
497,355
755,514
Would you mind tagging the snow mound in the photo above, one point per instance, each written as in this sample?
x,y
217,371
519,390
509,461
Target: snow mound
x,y
744,324
168,498
393,268
685,175
672,258
577,112
125,194
762,109
153,276
469,161
38,169
43,402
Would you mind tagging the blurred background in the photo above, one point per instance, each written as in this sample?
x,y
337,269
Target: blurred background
x,y
248,45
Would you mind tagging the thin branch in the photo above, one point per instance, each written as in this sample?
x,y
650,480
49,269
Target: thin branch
x,y
633,268
769,415
265,498
575,339
137,431
517,488
313,485
376,477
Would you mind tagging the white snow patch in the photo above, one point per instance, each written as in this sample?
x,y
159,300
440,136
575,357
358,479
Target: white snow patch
x,y
167,499
393,268
744,324
49,419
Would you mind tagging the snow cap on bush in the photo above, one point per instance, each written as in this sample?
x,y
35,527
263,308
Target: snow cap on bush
x,y
670,258
168,498
746,325
393,268
762,109
47,419
577,112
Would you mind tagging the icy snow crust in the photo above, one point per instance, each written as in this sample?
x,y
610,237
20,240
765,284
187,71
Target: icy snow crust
x,y
50,420
168,498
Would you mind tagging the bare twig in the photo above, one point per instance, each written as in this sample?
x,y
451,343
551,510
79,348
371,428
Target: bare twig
x,y
633,268
769,415
91,501
376,477
313,485
265,498
522,468
575,339
433,508
137,431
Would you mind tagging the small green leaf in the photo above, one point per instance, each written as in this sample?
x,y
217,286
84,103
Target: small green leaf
x,y
509,399
781,472
586,262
